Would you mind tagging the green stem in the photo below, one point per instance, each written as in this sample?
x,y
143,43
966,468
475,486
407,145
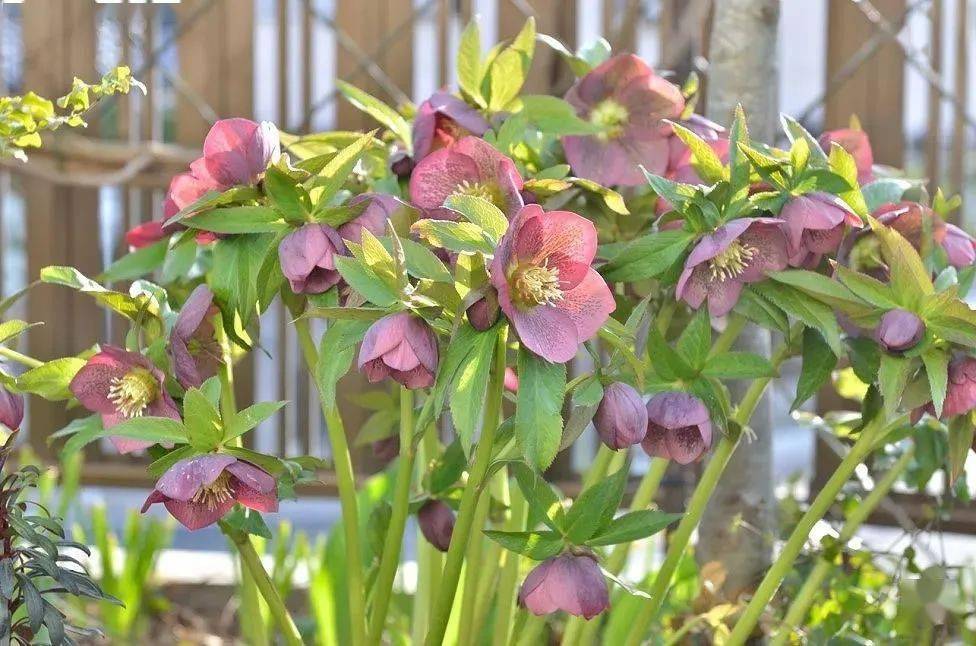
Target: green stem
x,y
441,612
252,563
508,580
390,559
346,484
599,468
22,359
473,578
818,509
429,560
700,497
798,610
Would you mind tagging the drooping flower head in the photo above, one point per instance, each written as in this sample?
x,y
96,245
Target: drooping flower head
x,y
238,151
401,346
626,98
961,391
546,286
121,385
960,247
11,409
739,252
484,312
307,257
200,491
569,582
856,143
144,234
899,330
913,220
621,419
193,346
678,427
815,226
471,166
436,522
442,120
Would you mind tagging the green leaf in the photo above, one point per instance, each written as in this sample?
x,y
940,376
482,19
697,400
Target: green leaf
x,y
738,365
287,198
887,190
135,308
233,276
909,278
508,70
842,163
470,72
818,364
238,219
150,429
364,281
647,256
634,526
375,108
812,313
960,441
595,507
481,212
676,193
447,469
893,376
203,425
554,116
666,362
611,198
867,288
468,396
738,162
334,174
538,419
936,363
703,157
12,329
543,502
578,64
695,341
536,545
420,261
51,380
136,263
796,132
336,351
759,310
822,288
455,236
249,418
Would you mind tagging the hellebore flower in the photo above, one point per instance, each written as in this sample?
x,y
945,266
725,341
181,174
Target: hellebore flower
x,y
193,348
436,522
469,167
678,427
545,284
401,164
679,155
739,252
11,409
621,419
144,234
199,491
569,582
815,225
911,220
378,211
626,98
856,143
899,330
959,246
238,151
961,391
121,385
401,346
443,119
307,257
483,313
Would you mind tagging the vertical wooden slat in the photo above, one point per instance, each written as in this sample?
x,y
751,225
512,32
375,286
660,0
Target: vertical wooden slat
x,y
933,142
554,17
957,166
620,19
875,92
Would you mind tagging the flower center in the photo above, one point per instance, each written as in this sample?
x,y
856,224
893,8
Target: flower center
x,y
732,261
610,115
476,189
537,285
216,493
133,392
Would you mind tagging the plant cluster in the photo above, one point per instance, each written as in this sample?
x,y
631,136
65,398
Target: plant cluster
x,y
467,252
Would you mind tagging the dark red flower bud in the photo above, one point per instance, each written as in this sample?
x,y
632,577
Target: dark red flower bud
x,y
483,313
621,419
899,330
436,522
569,582
11,409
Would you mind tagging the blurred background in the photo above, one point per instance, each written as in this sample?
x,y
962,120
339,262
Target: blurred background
x,y
905,68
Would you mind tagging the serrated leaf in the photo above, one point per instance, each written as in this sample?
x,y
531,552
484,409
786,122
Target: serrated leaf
x,y
364,281
538,419
710,168
50,380
812,313
455,236
481,212
539,494
695,341
647,256
738,365
249,418
796,132
536,545
238,219
468,396
375,108
936,363
960,441
818,364
470,71
633,526
893,375
595,507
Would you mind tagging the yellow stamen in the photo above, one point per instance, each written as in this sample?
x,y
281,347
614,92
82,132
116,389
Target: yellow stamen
x,y
732,261
215,493
611,115
536,285
132,393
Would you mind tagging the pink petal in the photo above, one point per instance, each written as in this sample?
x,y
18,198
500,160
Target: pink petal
x,y
196,516
688,443
589,305
547,331
185,478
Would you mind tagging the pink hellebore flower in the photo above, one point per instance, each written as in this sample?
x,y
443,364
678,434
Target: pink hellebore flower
x,y
443,119
899,330
401,346
144,234
11,409
961,392
568,582
193,346
678,427
815,225
739,252
545,284
238,151
121,385
307,257
621,419
469,167
626,98
436,522
960,247
911,220
199,491
856,143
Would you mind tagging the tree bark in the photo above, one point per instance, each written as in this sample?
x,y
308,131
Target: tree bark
x,y
738,528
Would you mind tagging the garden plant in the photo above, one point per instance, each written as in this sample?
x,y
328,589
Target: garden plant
x,y
463,255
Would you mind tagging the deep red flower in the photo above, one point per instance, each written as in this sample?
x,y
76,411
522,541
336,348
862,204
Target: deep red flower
x,y
436,522
144,234
11,409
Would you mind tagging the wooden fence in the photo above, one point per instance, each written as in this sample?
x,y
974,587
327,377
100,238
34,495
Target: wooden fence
x,y
205,59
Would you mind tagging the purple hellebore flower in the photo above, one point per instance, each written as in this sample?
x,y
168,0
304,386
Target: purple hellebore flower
x,y
199,491
469,167
738,252
443,119
678,427
307,257
121,385
401,346
899,330
193,346
626,98
857,144
961,391
960,247
621,418
569,582
546,286
11,409
815,225
483,313
436,522
238,151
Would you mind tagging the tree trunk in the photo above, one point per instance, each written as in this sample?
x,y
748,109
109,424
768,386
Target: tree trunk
x,y
738,527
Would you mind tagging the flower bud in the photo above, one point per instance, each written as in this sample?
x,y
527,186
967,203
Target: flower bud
x,y
436,522
401,165
400,346
307,258
483,313
678,427
11,409
569,582
899,330
621,419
